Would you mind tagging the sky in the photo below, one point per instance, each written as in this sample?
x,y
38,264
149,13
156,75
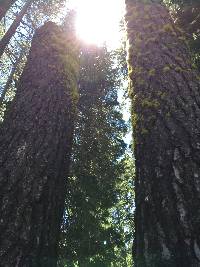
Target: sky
x,y
98,21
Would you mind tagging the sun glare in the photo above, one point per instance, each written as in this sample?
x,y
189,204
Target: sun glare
x,y
98,21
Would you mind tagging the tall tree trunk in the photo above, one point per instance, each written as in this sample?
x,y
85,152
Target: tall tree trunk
x,y
165,94
4,7
11,31
35,145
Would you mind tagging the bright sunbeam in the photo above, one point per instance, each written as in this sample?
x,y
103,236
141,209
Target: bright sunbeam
x,y
98,21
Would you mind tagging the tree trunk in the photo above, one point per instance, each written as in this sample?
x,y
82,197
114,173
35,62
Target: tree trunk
x,y
165,94
4,7
35,145
11,31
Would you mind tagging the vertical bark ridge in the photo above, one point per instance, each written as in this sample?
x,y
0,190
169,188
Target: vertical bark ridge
x,y
165,93
35,141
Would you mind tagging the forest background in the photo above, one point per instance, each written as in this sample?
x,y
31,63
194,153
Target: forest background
x,y
97,227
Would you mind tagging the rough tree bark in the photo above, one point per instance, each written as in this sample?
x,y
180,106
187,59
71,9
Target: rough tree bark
x,y
4,7
35,145
12,30
165,93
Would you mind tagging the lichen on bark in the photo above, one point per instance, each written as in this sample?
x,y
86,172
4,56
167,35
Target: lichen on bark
x,y
165,93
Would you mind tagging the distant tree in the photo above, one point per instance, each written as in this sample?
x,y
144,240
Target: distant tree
x,y
11,31
92,234
165,93
35,144
10,78
4,7
123,213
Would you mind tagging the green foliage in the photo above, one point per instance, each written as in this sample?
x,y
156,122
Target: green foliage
x,y
96,227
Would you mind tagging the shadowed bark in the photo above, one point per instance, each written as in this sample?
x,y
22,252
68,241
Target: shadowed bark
x,y
165,94
35,145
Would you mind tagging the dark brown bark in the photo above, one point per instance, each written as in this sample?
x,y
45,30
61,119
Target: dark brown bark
x,y
35,145
5,6
11,31
165,94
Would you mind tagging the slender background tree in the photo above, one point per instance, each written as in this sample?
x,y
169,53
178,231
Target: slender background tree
x,y
96,228
4,7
